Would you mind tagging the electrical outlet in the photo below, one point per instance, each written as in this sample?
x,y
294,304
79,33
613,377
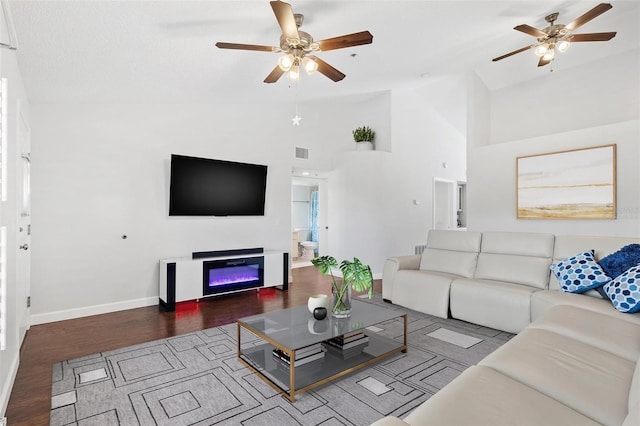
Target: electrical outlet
x,y
28,306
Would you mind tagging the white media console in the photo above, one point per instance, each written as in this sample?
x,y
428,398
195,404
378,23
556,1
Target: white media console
x,y
222,272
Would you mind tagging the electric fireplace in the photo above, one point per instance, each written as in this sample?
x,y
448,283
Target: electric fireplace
x,y
222,276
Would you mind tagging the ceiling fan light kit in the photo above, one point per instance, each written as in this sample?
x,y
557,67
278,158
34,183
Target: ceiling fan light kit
x,y
298,47
559,37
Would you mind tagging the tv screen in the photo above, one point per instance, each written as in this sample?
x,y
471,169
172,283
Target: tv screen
x,y
207,187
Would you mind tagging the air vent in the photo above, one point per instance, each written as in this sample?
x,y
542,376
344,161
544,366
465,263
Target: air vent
x,y
302,153
419,249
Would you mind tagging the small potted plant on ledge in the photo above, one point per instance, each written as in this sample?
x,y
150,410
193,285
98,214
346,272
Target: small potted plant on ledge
x,y
364,138
355,275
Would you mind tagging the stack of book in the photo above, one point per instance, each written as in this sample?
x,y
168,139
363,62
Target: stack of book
x,y
350,341
304,355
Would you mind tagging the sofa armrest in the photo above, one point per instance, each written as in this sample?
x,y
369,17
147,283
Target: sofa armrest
x,y
391,266
390,421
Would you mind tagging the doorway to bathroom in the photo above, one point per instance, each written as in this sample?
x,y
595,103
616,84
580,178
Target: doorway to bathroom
x,y
308,220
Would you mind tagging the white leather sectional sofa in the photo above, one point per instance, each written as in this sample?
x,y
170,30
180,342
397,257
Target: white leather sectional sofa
x,y
574,360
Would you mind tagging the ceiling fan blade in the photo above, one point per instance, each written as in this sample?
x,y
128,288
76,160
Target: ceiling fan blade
x,y
224,45
593,13
286,20
349,40
528,29
328,70
592,37
274,75
542,62
513,53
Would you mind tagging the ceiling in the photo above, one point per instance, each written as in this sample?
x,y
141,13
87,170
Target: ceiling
x,y
164,50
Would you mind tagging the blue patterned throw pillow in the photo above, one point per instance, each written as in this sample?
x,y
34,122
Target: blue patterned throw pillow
x,y
579,273
624,291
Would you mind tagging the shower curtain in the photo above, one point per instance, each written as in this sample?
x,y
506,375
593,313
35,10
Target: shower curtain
x,y
314,216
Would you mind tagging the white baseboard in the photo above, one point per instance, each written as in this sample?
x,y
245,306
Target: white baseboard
x,y
5,392
377,276
92,310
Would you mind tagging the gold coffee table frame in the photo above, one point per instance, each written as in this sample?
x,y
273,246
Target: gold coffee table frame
x,y
258,366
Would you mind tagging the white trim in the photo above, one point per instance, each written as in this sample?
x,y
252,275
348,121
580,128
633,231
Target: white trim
x,y
5,392
11,29
92,310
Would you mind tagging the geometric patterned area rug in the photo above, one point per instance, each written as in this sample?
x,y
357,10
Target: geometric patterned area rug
x,y
195,379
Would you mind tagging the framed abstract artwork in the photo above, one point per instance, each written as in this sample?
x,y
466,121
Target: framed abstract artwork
x,y
575,184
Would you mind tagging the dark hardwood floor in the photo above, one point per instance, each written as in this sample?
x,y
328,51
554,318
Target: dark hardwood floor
x,y
30,400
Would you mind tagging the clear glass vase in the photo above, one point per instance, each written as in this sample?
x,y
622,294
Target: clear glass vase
x,y
341,301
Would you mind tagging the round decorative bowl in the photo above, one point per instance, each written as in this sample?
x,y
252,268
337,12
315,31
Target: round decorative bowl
x,y
320,313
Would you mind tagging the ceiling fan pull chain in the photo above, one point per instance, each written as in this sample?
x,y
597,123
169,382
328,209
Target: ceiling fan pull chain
x,y
296,119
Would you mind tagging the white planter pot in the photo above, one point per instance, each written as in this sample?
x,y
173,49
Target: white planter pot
x,y
317,301
364,146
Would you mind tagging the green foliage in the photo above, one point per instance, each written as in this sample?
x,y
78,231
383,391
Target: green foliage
x,y
355,273
363,134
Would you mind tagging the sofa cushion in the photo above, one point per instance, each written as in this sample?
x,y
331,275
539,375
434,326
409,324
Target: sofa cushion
x,y
534,244
594,329
634,390
468,241
494,304
524,270
423,291
483,396
543,300
624,290
451,262
451,252
579,273
587,379
618,262
390,421
633,418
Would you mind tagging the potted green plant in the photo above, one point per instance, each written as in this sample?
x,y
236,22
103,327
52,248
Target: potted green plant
x,y
364,137
355,275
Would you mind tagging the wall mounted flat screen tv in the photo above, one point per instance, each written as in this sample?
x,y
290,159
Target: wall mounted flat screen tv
x,y
208,187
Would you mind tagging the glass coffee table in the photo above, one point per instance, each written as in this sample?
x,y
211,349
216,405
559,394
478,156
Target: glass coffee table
x,y
282,337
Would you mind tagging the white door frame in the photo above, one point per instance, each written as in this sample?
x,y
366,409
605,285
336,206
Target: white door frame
x,y
449,208
23,211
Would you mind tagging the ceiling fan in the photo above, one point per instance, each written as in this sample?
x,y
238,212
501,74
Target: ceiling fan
x,y
298,46
558,36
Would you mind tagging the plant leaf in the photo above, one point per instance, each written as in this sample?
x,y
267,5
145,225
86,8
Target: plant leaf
x,y
358,275
325,264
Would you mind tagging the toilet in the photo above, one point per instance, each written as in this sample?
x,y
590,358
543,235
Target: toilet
x,y
308,249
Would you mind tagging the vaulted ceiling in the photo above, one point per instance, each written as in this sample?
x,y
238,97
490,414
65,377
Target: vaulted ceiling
x,y
164,50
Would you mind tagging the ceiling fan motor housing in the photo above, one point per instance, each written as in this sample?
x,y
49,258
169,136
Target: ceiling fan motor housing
x,y
305,43
554,31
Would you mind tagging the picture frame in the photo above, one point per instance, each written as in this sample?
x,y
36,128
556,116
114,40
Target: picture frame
x,y
574,184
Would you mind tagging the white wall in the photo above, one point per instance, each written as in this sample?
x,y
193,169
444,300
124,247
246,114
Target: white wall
x,y
371,193
102,171
326,127
588,106
592,95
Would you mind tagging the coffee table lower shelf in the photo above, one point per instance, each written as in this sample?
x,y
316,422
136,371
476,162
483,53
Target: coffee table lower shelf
x,y
334,364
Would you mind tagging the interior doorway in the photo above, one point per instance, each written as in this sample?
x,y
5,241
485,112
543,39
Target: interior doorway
x,y
444,203
308,219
